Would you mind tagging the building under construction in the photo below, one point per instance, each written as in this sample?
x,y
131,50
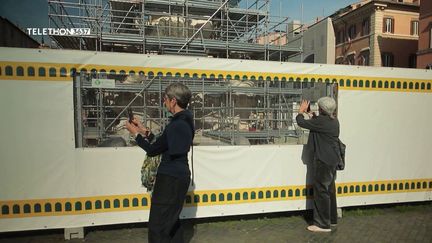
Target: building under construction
x,y
217,28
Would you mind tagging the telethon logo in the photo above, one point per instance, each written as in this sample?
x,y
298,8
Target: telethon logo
x,y
59,31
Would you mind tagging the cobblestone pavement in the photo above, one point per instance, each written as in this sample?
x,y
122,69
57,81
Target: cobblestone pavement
x,y
390,223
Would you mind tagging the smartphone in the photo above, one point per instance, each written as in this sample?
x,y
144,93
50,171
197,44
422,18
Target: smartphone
x,y
130,115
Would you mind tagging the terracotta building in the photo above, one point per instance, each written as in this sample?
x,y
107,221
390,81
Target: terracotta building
x,y
377,33
424,54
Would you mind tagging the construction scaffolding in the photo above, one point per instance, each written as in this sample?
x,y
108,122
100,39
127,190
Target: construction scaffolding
x,y
226,112
217,28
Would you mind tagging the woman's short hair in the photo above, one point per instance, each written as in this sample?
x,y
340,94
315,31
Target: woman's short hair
x,y
327,105
179,91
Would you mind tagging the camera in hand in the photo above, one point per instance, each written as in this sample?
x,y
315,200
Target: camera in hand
x,y
130,115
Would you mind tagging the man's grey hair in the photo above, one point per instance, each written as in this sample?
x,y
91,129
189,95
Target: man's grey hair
x,y
327,105
179,91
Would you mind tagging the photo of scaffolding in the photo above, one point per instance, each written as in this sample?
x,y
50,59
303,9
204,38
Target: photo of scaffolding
x,y
226,111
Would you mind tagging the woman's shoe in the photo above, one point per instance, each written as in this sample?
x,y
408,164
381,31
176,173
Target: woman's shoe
x,y
315,228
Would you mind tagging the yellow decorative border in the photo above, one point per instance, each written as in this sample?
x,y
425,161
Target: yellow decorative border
x,y
73,206
62,72
115,203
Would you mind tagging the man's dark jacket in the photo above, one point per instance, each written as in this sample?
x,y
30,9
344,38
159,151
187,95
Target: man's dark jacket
x,y
173,144
323,137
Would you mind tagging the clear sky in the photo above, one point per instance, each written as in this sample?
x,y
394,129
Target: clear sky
x,y
34,13
311,8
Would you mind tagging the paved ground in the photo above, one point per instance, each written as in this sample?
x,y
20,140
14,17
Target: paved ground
x,y
390,223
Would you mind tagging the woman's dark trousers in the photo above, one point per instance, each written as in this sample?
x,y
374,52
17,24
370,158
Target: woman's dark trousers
x,y
166,204
324,194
